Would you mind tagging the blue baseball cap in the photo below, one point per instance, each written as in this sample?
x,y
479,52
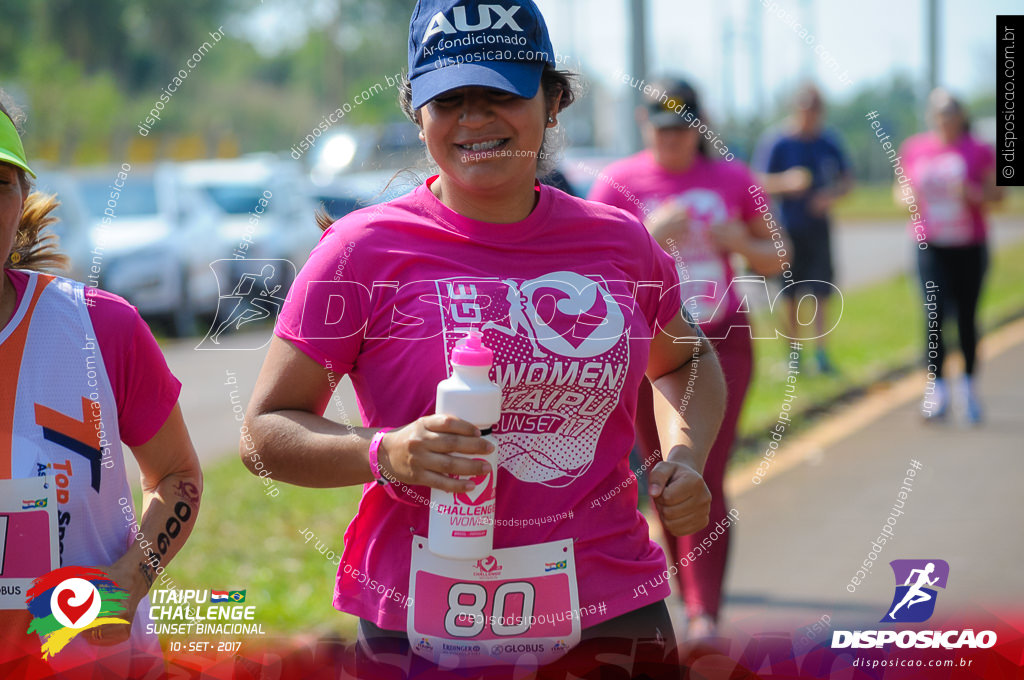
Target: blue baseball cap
x,y
463,43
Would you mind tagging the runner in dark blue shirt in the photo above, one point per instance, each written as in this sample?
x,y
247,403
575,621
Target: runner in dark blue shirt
x,y
805,168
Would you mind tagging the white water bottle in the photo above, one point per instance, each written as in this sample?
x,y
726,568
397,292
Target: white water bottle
x,y
462,524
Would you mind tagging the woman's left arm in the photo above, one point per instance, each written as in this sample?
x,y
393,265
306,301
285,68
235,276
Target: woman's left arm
x,y
172,484
676,485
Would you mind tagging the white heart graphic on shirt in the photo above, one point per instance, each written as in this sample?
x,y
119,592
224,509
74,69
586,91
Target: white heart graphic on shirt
x,y
564,333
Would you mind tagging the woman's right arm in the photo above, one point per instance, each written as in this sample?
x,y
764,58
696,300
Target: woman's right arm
x,y
792,182
299,446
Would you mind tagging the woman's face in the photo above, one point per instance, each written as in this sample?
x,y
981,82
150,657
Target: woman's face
x,y
948,123
945,115
484,139
675,147
12,198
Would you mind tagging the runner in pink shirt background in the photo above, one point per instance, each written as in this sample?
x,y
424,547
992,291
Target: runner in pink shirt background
x,y
702,211
578,304
952,175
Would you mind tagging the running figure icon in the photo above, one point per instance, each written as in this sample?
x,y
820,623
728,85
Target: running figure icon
x,y
518,304
252,303
916,595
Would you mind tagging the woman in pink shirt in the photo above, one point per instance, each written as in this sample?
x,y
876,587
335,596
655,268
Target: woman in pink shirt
x,y
951,174
701,210
81,374
578,304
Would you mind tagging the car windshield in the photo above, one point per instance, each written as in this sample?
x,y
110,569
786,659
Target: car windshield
x,y
137,196
235,199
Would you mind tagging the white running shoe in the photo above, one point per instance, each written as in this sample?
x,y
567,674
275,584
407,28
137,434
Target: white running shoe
x,y
935,404
969,398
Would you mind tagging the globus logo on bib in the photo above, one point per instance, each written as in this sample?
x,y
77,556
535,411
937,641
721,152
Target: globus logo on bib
x,y
518,648
916,581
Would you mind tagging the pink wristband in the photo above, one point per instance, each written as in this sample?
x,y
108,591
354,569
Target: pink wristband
x,y
374,463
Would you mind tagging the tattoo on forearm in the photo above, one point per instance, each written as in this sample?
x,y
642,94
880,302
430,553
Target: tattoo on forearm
x,y
147,573
183,513
188,492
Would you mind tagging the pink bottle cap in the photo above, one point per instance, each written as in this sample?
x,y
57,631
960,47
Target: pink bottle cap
x,y
471,351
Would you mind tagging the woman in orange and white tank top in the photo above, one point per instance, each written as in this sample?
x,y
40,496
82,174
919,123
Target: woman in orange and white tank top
x,y
80,373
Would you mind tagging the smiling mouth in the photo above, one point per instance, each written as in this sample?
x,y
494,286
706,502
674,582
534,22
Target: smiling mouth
x,y
483,146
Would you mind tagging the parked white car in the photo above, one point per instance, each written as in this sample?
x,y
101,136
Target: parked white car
x,y
136,219
73,221
254,207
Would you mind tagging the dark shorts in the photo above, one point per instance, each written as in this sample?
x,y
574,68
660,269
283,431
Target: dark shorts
x,y
811,264
642,642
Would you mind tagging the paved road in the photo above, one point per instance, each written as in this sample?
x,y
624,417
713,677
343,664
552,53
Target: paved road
x,y
868,251
212,407
803,534
865,252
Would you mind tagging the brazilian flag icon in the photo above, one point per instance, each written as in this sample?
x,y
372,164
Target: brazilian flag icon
x,y
237,596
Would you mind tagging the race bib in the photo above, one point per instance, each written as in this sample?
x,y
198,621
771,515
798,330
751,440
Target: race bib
x,y
28,536
515,606
949,223
701,268
942,185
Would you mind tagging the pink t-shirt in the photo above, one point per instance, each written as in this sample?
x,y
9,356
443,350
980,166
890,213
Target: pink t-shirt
x,y
711,192
939,174
567,300
144,387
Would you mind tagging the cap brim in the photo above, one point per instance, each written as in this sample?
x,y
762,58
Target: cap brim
x,y
521,78
12,160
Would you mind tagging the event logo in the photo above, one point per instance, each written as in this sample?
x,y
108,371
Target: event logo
x,y
69,601
176,611
487,566
249,291
479,494
914,600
